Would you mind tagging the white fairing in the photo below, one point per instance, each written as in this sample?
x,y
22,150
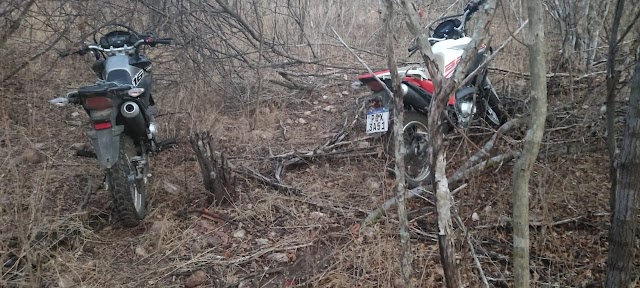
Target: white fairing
x,y
448,54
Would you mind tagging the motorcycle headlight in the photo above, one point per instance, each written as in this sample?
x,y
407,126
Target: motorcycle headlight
x,y
135,92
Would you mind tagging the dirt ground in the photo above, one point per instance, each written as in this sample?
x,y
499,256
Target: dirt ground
x,y
53,235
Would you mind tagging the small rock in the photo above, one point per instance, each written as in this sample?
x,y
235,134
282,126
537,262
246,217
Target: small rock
x,y
325,97
313,128
196,279
32,156
307,113
317,215
262,241
141,251
78,146
363,144
345,93
368,232
64,282
279,257
170,187
585,106
603,109
240,233
76,123
40,146
289,121
475,216
372,183
302,121
316,102
328,108
75,114
158,226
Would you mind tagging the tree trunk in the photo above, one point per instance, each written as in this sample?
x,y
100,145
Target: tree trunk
x,y
524,163
613,76
398,144
623,227
436,112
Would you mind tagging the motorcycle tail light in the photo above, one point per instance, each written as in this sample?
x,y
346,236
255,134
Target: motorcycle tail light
x,y
98,103
102,125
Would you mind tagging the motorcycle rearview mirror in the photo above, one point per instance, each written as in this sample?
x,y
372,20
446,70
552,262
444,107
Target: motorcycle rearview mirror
x,y
59,101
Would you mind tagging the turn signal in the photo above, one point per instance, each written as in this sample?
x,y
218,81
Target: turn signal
x,y
135,92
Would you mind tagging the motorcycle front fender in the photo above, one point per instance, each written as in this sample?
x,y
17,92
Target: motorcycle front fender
x,y
106,144
465,93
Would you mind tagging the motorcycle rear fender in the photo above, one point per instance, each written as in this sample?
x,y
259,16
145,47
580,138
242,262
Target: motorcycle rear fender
x,y
106,144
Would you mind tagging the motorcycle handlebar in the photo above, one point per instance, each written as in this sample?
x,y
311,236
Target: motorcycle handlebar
x,y
473,6
147,41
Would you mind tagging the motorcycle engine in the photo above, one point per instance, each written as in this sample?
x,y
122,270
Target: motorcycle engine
x,y
466,109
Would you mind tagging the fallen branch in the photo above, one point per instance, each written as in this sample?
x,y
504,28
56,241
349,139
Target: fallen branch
x,y
484,152
507,223
550,75
268,181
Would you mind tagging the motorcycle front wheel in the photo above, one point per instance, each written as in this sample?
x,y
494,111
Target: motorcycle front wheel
x,y
129,185
416,148
493,114
416,143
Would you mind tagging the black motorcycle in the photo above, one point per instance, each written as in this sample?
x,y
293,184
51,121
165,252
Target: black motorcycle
x,y
121,111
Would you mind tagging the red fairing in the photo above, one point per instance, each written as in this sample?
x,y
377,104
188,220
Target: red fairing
x,y
368,75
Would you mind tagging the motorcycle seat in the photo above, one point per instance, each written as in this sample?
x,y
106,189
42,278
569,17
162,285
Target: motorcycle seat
x,y
102,88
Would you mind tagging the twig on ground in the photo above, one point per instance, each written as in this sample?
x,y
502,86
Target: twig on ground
x,y
268,181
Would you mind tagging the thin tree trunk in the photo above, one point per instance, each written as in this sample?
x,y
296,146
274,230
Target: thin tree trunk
x,y
436,112
623,227
524,163
613,76
398,144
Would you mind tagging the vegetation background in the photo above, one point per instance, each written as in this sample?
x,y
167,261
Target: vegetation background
x,y
266,78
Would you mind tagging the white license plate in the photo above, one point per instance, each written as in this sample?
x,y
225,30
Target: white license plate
x,y
377,120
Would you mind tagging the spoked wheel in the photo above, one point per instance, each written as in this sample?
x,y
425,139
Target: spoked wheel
x,y
416,146
129,183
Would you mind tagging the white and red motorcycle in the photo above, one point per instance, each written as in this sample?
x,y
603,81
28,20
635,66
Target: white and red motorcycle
x,y
476,100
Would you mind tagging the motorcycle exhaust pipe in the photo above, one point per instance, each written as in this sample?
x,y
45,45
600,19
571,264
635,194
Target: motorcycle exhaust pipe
x,y
134,121
412,98
130,109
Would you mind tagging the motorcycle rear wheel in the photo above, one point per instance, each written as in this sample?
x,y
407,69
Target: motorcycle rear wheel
x,y
128,192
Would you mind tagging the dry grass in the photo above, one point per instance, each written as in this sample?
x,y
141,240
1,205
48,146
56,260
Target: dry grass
x,y
60,245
